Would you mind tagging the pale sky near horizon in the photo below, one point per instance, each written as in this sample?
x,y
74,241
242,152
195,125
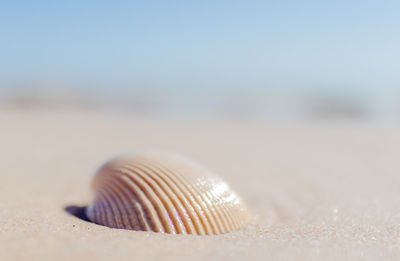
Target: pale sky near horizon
x,y
348,46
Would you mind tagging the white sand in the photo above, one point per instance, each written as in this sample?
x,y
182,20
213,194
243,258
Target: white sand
x,y
319,193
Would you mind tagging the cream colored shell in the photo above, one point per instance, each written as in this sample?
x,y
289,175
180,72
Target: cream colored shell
x,y
164,193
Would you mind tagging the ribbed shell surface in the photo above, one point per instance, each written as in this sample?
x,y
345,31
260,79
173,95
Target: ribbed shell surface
x,y
164,193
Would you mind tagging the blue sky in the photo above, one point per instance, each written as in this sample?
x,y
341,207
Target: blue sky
x,y
350,46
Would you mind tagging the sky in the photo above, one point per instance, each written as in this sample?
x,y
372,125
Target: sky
x,y
192,46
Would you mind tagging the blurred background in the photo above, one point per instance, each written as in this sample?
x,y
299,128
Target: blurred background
x,y
266,61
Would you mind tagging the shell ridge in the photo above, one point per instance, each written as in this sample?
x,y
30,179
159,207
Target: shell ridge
x,y
222,212
223,217
145,203
229,206
229,217
176,206
104,207
159,213
111,198
166,213
98,212
113,174
205,200
184,198
120,201
91,212
206,224
131,199
195,210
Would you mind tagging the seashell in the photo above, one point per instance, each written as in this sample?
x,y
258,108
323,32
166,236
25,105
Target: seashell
x,y
164,193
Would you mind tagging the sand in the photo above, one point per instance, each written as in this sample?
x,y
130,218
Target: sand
x,y
315,192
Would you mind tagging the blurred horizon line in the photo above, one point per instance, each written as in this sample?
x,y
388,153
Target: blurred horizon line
x,y
244,105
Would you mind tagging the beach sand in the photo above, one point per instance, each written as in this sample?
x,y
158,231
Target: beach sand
x,y
315,192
